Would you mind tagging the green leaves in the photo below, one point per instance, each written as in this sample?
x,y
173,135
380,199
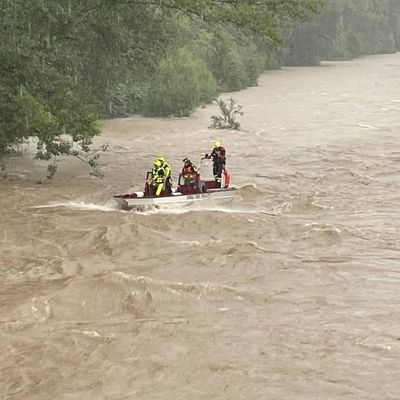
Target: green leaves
x,y
346,29
66,63
230,110
180,83
262,17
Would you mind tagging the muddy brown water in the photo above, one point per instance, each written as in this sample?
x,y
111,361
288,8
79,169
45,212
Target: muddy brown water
x,y
291,291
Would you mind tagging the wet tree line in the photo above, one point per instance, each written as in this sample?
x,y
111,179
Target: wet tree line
x,y
344,29
66,64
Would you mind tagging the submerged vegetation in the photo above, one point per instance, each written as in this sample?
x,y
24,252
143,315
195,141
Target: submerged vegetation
x,y
230,110
65,64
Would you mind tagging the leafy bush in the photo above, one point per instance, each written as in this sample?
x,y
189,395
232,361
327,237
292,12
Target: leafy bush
x,y
180,84
229,110
253,62
344,30
226,64
127,99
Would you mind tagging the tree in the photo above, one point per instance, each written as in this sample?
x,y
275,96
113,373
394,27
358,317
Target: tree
x,y
345,29
230,109
180,83
58,59
63,61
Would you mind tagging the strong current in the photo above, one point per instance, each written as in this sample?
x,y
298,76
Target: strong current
x,y
291,291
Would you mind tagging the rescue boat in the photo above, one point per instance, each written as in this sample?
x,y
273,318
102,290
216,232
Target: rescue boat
x,y
191,188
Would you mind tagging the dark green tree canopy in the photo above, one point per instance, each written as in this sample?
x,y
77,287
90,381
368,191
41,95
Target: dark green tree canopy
x,y
62,61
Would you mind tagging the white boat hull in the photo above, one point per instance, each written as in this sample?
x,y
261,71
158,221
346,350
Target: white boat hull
x,y
137,201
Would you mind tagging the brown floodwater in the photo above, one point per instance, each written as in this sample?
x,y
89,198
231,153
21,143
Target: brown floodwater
x,y
291,291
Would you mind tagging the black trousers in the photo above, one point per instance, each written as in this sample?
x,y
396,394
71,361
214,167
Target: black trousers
x,y
217,171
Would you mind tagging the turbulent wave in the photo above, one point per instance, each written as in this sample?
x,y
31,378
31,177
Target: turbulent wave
x,y
250,192
81,205
110,295
34,310
300,202
321,234
199,209
332,174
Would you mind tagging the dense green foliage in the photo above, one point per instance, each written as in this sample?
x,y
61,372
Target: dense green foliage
x,y
345,29
180,83
230,110
57,61
67,63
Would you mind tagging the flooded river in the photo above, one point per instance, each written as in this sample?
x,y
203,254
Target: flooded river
x,y
291,291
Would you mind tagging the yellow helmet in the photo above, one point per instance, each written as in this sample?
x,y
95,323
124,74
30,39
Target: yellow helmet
x,y
157,163
161,158
216,143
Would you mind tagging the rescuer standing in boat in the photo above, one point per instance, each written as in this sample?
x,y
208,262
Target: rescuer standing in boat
x,y
219,160
161,177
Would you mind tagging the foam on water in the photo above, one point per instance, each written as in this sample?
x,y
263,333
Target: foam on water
x,y
177,209
81,205
174,209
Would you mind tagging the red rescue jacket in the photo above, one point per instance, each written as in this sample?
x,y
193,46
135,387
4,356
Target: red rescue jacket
x,y
218,155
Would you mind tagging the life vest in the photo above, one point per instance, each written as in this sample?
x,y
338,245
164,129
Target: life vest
x,y
218,155
158,174
187,170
